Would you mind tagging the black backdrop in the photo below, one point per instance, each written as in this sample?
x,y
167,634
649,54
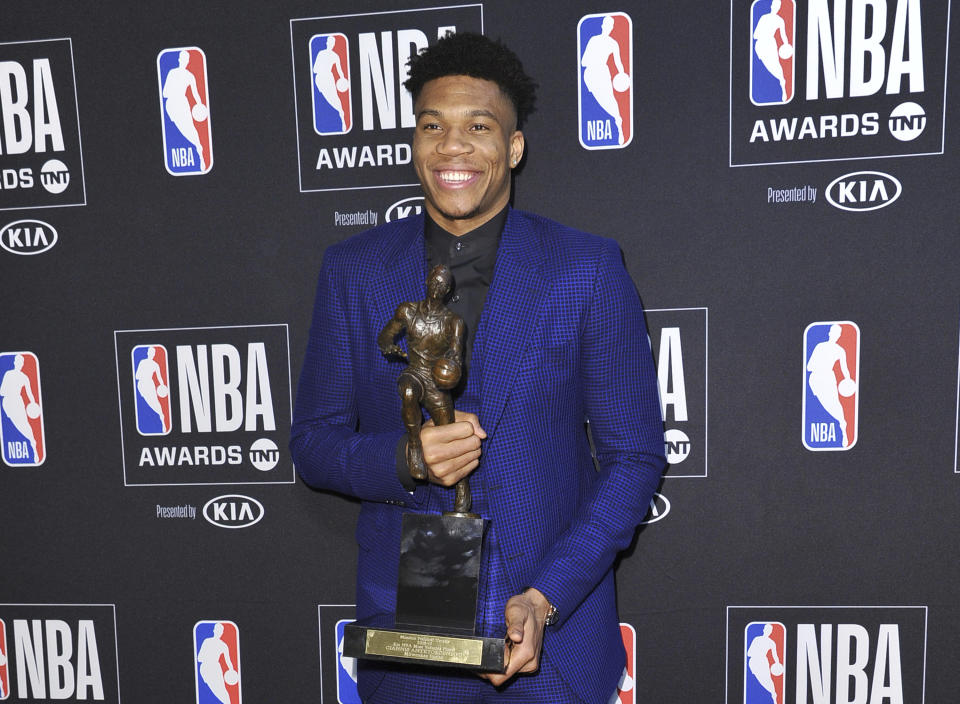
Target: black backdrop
x,y
756,519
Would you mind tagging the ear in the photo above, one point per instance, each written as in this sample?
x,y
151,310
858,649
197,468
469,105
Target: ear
x,y
516,148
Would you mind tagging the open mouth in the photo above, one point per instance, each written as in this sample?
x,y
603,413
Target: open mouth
x,y
455,178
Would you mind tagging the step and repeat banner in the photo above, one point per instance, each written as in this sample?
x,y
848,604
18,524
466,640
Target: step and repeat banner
x,y
782,177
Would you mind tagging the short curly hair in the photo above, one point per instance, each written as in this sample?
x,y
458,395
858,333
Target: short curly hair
x,y
469,54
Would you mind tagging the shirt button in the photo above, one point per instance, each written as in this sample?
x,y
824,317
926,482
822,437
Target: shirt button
x,y
459,246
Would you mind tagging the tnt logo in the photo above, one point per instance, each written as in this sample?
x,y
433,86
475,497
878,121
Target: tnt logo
x,y
772,56
346,670
216,647
151,377
330,59
4,672
765,647
831,385
606,80
185,111
21,411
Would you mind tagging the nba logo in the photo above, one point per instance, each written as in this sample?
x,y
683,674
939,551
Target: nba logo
x,y
764,676
605,70
151,389
831,382
346,670
21,410
626,689
216,647
185,111
4,670
330,59
772,51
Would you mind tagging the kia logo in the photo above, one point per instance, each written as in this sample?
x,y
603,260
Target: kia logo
x,y
863,190
659,508
233,511
28,237
404,208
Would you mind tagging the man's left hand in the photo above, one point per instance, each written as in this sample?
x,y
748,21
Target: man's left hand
x,y
525,615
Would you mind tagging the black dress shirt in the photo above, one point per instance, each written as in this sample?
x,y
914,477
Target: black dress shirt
x,y
471,258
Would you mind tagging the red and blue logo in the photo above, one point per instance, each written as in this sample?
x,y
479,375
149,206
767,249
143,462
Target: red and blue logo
x,y
764,655
151,383
4,667
605,70
346,670
627,686
772,55
216,648
185,111
831,385
21,410
330,72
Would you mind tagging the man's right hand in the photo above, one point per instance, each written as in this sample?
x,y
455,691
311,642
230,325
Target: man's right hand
x,y
452,451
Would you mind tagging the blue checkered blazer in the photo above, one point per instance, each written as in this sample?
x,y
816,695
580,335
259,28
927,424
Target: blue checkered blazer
x,y
561,339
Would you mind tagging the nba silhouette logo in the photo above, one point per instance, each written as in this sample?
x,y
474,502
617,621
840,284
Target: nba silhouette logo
x,y
627,686
772,56
346,670
151,384
605,70
4,670
185,111
330,72
831,385
764,656
21,410
216,648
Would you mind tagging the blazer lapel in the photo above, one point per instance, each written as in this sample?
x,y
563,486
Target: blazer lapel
x,y
510,315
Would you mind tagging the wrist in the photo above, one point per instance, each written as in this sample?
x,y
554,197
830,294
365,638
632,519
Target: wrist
x,y
544,610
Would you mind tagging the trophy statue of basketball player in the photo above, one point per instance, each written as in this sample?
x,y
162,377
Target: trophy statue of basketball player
x,y
435,339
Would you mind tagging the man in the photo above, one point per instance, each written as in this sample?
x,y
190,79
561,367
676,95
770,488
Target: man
x,y
554,336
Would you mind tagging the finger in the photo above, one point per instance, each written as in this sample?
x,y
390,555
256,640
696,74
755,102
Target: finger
x,y
497,678
446,433
435,452
462,416
449,478
515,616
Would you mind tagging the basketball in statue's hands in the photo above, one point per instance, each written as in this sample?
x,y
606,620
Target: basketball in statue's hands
x,y
446,373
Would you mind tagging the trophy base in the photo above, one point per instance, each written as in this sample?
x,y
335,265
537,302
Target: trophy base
x,y
425,648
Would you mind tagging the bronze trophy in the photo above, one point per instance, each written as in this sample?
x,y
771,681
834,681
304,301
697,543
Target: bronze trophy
x,y
435,622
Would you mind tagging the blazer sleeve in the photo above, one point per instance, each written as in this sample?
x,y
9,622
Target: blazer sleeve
x,y
328,449
621,400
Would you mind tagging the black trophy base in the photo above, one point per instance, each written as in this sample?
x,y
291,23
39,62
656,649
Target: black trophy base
x,y
423,648
437,585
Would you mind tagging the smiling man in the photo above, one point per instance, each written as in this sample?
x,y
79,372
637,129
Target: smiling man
x,y
555,337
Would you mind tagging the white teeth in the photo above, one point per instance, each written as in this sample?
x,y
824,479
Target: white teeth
x,y
455,176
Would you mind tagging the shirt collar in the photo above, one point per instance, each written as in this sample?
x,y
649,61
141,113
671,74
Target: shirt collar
x,y
486,237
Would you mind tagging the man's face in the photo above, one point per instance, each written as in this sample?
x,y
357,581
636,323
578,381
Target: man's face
x,y
464,146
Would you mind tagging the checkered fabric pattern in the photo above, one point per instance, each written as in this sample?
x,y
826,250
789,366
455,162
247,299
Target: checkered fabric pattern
x,y
561,339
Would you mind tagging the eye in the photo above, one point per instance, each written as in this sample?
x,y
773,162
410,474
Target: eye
x,y
479,127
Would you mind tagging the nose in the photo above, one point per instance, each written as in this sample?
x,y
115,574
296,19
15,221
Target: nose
x,y
455,142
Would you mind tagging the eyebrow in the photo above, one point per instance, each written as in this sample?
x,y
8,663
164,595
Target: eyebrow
x,y
473,113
